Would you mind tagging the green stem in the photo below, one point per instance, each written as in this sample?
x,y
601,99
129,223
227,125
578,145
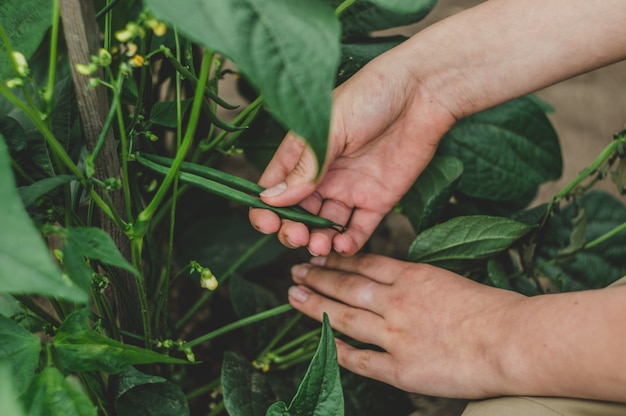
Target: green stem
x,y
343,7
297,341
57,148
106,8
109,120
136,245
54,39
204,389
124,156
591,169
149,211
217,409
605,237
280,336
231,270
238,324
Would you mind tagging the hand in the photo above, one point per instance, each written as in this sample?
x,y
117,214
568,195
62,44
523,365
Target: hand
x,y
384,132
440,332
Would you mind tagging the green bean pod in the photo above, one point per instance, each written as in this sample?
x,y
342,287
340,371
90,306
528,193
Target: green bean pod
x,y
237,195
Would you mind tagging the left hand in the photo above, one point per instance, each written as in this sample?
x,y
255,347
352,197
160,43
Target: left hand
x,y
440,332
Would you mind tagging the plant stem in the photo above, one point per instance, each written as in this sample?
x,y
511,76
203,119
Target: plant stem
x,y
232,269
297,341
238,324
54,39
217,409
343,7
204,389
57,149
148,212
280,335
605,237
135,247
591,169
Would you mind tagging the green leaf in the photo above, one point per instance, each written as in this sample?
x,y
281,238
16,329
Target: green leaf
x,y
54,395
591,268
141,394
288,50
13,133
249,298
216,242
66,118
96,244
25,262
82,349
164,113
618,176
496,271
366,16
355,55
432,191
31,193
9,405
25,23
507,151
467,237
320,391
247,392
19,351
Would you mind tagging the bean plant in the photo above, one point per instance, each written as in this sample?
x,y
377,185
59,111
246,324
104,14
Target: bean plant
x,y
130,279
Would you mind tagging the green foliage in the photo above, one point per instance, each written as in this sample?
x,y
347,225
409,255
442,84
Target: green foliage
x,y
143,394
19,353
25,24
80,348
320,391
270,53
507,151
25,265
52,394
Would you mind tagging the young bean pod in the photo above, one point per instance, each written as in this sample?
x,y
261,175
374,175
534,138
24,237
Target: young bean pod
x,y
221,189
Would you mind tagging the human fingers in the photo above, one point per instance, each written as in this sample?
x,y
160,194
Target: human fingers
x,y
356,323
365,362
349,288
381,269
321,240
360,228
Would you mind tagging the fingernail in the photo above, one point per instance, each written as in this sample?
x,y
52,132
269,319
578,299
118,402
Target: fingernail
x,y
299,271
319,261
275,190
299,294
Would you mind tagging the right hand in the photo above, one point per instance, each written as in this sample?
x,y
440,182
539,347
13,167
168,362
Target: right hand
x,y
384,131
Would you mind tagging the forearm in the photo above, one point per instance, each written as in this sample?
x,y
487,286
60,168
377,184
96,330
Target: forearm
x,y
504,49
568,345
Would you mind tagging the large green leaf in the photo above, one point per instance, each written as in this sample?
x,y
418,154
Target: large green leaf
x,y
249,298
288,50
51,394
424,202
366,16
320,392
595,267
25,262
164,113
80,348
507,151
141,394
31,193
469,237
19,351
9,404
25,23
216,242
96,244
247,392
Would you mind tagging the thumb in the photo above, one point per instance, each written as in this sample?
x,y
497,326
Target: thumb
x,y
299,181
